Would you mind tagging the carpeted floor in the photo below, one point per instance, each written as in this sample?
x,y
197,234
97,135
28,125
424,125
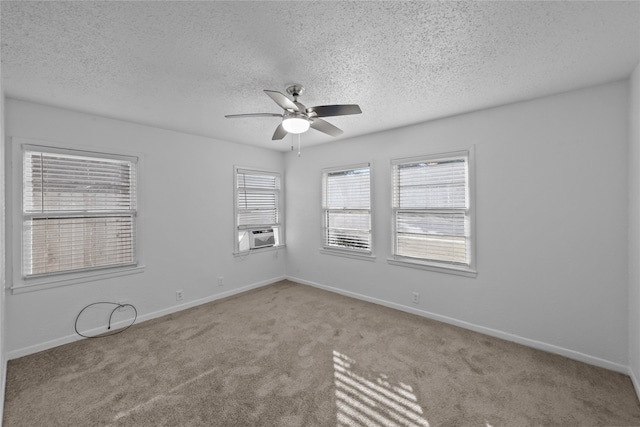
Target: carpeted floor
x,y
292,355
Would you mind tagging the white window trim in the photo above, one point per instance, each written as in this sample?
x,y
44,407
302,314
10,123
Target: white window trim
x,y
20,284
471,269
345,252
245,254
366,256
40,282
281,207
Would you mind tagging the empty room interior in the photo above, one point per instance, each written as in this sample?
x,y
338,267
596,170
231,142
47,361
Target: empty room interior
x,y
320,213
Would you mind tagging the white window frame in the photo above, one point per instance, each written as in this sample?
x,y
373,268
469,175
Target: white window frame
x,y
278,226
367,254
22,284
470,269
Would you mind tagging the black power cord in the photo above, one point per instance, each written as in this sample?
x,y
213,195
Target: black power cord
x,y
118,306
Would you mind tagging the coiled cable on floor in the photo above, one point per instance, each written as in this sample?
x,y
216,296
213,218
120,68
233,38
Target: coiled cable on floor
x,y
117,306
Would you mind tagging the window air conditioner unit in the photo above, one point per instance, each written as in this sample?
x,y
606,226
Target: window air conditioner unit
x,y
261,238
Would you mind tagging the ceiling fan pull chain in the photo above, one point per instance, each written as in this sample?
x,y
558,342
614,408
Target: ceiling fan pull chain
x,y
298,145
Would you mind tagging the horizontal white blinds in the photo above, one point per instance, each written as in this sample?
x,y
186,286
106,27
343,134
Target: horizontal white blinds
x,y
252,179
430,199
431,236
431,185
348,189
59,182
257,198
76,243
347,207
78,212
348,229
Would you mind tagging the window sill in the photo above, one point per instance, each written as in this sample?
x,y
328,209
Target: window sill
x,y
440,268
258,250
32,285
348,254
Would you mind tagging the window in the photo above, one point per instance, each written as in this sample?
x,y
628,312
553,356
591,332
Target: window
x,y
257,210
432,211
78,211
346,203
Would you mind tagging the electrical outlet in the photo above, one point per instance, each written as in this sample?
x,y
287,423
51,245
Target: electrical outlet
x,y
179,295
220,281
416,298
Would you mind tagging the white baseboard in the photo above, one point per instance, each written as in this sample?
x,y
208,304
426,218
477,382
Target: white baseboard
x,y
550,348
634,380
571,354
25,351
3,387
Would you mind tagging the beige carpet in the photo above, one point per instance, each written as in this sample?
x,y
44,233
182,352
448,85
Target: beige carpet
x,y
292,355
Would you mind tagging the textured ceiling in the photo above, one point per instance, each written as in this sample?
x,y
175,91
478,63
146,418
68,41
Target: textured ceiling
x,y
184,65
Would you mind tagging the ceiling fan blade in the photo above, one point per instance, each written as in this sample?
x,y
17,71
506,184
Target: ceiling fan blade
x,y
279,133
335,110
282,100
236,116
326,127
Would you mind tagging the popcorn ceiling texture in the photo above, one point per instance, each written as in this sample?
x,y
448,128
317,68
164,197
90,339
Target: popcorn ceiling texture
x,y
184,65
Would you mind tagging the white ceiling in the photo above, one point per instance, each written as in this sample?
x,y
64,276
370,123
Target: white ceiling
x,y
184,65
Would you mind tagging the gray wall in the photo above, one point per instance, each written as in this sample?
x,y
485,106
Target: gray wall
x,y
186,223
3,355
634,228
551,182
552,206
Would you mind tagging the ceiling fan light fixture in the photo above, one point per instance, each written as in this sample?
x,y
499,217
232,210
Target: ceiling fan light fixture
x,y
295,124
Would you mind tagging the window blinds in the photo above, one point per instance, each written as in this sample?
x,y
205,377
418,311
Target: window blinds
x,y
257,199
347,209
78,212
430,201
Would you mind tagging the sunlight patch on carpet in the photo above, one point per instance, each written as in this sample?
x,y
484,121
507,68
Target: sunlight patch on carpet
x,y
365,399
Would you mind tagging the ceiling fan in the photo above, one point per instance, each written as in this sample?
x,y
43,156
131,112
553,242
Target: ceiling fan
x,y
297,118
